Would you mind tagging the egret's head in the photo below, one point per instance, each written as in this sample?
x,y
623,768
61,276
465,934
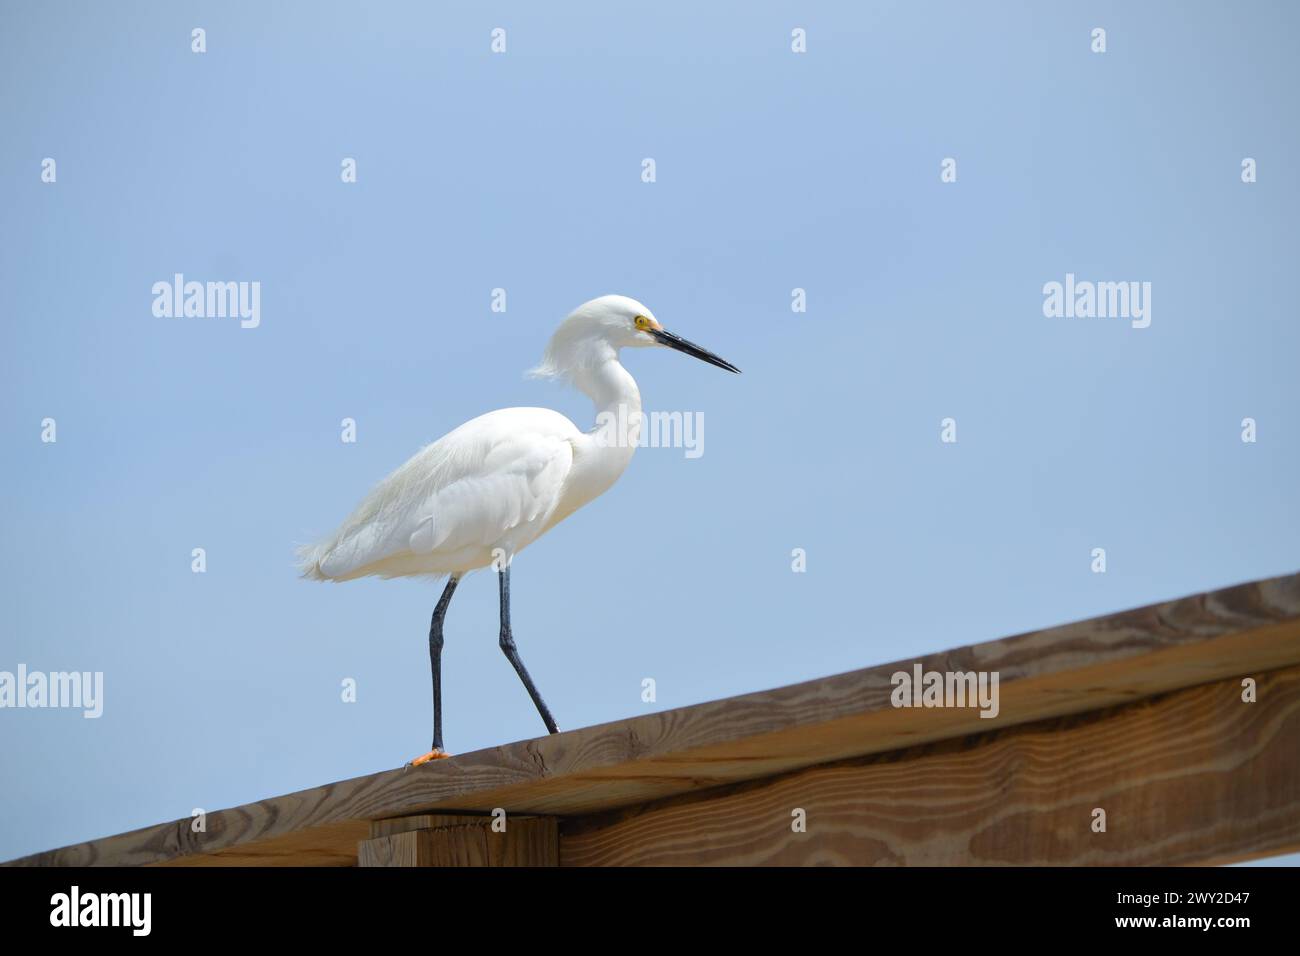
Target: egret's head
x,y
595,331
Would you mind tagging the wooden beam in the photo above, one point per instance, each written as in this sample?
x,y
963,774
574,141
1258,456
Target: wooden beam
x,y
1195,776
1247,629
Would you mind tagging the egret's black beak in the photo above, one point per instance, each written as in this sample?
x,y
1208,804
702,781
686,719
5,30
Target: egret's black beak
x,y
690,348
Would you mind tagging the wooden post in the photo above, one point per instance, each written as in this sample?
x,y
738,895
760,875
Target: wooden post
x,y
455,840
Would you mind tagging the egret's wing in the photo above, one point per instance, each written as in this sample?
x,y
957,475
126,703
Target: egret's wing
x,y
518,487
499,473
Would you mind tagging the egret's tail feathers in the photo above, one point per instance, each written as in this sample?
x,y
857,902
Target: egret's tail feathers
x,y
309,559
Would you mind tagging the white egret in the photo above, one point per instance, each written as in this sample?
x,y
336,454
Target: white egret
x,y
482,493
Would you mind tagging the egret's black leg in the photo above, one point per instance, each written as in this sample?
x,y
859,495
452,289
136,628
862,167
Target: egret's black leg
x,y
512,653
435,657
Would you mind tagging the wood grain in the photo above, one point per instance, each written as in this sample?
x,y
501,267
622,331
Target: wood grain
x,y
1196,776
444,840
1063,670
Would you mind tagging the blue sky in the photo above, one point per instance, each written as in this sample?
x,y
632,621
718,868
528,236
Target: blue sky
x,y
522,171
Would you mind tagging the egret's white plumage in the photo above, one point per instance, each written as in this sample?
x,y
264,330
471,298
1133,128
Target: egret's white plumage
x,y
482,493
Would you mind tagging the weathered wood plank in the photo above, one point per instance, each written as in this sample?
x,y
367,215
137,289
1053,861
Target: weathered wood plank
x,y
1064,670
1195,776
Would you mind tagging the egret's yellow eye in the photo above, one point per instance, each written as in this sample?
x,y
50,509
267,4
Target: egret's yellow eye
x,y
642,323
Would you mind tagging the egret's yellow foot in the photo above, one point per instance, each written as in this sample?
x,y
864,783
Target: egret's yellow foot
x,y
431,755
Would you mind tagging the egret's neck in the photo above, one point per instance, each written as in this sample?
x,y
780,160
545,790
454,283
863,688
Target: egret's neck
x,y
617,399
